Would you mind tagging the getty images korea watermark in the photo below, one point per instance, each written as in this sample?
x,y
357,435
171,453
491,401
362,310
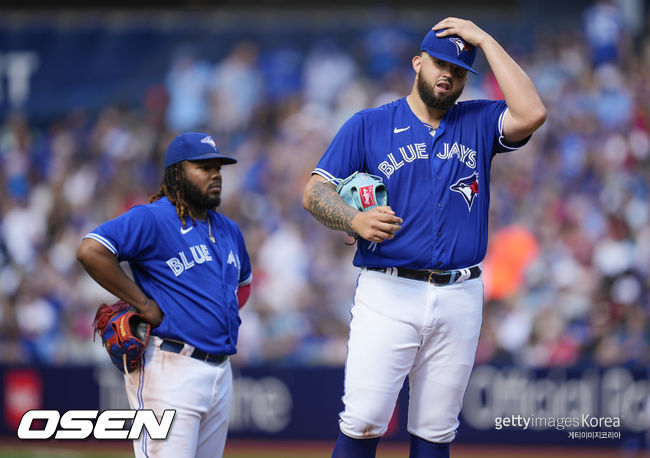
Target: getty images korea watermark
x,y
583,427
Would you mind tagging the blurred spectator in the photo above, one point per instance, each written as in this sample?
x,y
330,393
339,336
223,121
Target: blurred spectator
x,y
187,82
604,29
236,90
386,45
327,71
282,74
567,272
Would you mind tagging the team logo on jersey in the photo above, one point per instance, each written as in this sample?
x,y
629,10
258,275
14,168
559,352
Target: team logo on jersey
x,y
463,153
233,259
468,188
210,142
367,199
409,154
461,45
198,255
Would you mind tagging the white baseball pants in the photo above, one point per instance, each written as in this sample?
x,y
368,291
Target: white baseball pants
x,y
200,392
409,327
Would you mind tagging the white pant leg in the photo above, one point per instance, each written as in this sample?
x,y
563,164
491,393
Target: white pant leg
x,y
214,425
169,380
442,369
383,343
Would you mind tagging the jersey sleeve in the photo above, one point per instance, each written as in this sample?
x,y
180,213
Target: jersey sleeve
x,y
345,154
494,115
245,273
128,235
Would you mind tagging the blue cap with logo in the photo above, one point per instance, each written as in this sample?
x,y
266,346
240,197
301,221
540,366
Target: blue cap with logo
x,y
194,146
452,49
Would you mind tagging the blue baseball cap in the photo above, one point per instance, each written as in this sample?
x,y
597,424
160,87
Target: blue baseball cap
x,y
194,146
452,49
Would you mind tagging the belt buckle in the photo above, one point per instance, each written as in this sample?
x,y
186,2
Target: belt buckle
x,y
430,277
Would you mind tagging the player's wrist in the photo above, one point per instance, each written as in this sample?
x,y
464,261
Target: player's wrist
x,y
485,40
152,312
354,228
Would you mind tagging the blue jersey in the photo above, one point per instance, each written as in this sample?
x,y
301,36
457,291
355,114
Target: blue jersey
x,y
193,280
438,181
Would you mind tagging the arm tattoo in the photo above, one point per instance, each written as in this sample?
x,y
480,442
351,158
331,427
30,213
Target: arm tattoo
x,y
328,208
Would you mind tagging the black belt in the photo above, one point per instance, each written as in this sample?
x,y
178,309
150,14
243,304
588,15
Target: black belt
x,y
176,347
437,277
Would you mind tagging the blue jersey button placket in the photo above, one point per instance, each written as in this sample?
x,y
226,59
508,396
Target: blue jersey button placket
x,y
437,230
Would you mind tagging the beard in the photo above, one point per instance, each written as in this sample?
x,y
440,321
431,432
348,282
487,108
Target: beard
x,y
196,198
439,102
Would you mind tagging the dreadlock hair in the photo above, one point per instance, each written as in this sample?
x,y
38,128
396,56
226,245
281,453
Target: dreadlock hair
x,y
171,187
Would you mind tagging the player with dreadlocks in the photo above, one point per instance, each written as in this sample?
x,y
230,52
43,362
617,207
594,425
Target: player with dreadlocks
x,y
191,274
182,192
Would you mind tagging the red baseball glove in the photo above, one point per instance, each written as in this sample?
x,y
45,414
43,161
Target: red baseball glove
x,y
124,333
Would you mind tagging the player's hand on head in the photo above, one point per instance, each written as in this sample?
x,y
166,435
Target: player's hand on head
x,y
377,225
464,28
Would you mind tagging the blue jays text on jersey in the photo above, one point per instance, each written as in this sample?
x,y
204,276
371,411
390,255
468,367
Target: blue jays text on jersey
x,y
193,280
437,180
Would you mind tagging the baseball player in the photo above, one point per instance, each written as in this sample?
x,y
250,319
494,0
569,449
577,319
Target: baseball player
x,y
418,302
190,271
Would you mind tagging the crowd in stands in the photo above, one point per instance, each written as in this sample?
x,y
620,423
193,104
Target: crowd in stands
x,y
569,259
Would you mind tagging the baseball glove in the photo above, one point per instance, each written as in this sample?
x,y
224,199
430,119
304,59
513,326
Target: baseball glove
x,y
124,334
363,191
